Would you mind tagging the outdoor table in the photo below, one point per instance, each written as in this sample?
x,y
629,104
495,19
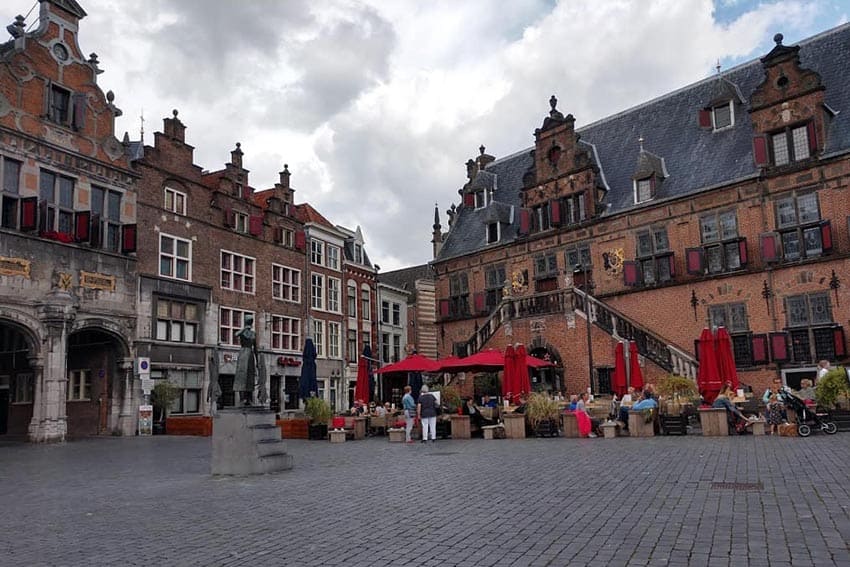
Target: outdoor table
x,y
514,425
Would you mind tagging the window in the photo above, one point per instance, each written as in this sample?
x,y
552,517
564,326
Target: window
x,y
334,338
492,232
366,302
286,333
177,321
106,217
480,199
319,337
396,314
800,229
188,382
576,209
333,257
654,257
23,389
79,385
644,189
791,144
494,285
175,201
385,347
722,250
333,294
578,256
545,273
358,253
237,272
385,312
396,348
286,283
317,291
56,195
352,345
810,327
59,109
352,299
733,316
723,116
11,171
458,295
175,257
541,217
366,339
241,221
287,238
317,251
230,322
808,309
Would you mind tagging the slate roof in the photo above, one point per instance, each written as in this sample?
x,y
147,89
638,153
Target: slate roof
x,y
406,278
696,159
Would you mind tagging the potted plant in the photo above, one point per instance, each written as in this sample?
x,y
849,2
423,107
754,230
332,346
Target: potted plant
x,y
832,393
542,412
162,397
319,412
450,399
676,391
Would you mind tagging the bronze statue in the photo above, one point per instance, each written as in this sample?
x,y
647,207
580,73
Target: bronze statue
x,y
245,379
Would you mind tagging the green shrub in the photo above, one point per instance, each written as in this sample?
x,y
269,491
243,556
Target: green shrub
x,y
832,388
162,397
672,386
318,410
449,396
540,407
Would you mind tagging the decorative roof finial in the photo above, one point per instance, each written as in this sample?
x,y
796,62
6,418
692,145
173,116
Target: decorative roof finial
x,y
142,125
553,102
16,28
778,38
640,141
481,149
718,66
174,112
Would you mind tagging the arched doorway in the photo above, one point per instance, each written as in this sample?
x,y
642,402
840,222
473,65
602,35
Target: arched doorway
x,y
96,386
17,379
551,379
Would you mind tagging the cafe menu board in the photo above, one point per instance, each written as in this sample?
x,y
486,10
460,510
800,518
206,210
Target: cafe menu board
x,y
145,420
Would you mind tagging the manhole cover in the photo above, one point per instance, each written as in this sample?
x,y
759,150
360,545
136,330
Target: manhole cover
x,y
737,486
443,454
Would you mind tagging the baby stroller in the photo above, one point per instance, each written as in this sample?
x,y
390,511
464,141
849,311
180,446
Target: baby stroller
x,y
806,416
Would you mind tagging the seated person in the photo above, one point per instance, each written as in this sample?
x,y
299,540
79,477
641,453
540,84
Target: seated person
x,y
359,408
488,402
381,411
645,403
581,406
573,403
522,403
475,418
806,392
724,401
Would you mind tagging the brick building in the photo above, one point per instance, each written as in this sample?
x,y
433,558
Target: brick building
x,y
67,240
723,203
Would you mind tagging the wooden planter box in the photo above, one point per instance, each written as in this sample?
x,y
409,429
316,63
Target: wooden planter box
x,y
514,425
294,428
714,422
199,425
570,425
460,427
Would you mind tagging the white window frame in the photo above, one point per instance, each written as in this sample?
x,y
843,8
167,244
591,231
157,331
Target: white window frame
x,y
231,328
333,296
319,337
731,116
241,222
79,385
230,275
351,299
283,290
317,291
366,302
285,330
637,186
487,232
175,196
334,338
317,252
176,326
174,258
332,257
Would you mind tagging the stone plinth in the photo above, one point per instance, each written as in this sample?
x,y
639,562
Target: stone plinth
x,y
247,441
610,430
714,422
336,435
514,425
570,424
638,427
460,427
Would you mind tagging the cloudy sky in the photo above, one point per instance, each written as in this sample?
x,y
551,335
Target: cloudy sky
x,y
376,105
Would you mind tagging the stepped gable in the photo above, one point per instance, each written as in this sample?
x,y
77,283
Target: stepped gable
x,y
670,129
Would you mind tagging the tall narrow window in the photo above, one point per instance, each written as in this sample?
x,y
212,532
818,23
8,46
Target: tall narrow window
x,y
333,294
56,194
319,337
334,338
106,217
11,171
366,302
317,291
60,105
352,299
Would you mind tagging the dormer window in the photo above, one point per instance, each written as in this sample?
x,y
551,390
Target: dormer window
x,y
644,189
723,116
59,105
492,232
480,199
790,145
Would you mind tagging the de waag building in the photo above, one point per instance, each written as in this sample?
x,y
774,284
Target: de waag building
x,y
724,203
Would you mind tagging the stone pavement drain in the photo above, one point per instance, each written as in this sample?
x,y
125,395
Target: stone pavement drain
x,y
737,486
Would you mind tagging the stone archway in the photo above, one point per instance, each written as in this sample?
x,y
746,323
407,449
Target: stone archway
x,y
547,379
18,353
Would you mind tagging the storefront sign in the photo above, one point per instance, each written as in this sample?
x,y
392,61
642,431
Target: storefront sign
x,y
145,420
14,267
97,281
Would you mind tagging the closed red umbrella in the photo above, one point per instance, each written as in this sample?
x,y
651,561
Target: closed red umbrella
x,y
618,380
708,377
361,387
413,363
725,358
509,374
524,381
635,373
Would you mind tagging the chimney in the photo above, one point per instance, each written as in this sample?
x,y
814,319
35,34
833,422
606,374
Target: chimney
x,y
471,169
484,159
236,156
173,128
284,176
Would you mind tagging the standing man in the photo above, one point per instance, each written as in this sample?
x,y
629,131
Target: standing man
x,y
426,410
409,406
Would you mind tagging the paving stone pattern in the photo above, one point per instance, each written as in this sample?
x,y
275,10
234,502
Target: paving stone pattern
x,y
665,501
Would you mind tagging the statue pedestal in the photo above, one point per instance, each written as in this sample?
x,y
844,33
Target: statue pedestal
x,y
247,441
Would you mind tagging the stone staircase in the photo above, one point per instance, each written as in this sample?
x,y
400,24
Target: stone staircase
x,y
247,441
655,348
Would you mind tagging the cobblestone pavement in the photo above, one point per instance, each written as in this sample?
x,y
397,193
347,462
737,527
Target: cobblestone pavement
x,y
658,501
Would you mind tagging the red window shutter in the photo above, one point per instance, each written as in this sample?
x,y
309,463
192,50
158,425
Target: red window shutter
x,y
128,238
759,349
671,260
779,347
78,119
246,192
229,217
82,226
278,234
29,216
812,133
769,246
631,273
555,212
479,302
444,308
840,343
524,222
760,155
705,118
300,240
469,200
695,261
826,236
255,225
96,232
742,251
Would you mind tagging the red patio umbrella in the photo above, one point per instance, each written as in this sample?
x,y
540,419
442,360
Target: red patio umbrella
x,y
490,360
413,363
618,380
534,362
725,358
509,375
708,377
361,387
635,373
524,382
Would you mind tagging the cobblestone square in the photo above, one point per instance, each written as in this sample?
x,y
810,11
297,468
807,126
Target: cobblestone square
x,y
659,501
